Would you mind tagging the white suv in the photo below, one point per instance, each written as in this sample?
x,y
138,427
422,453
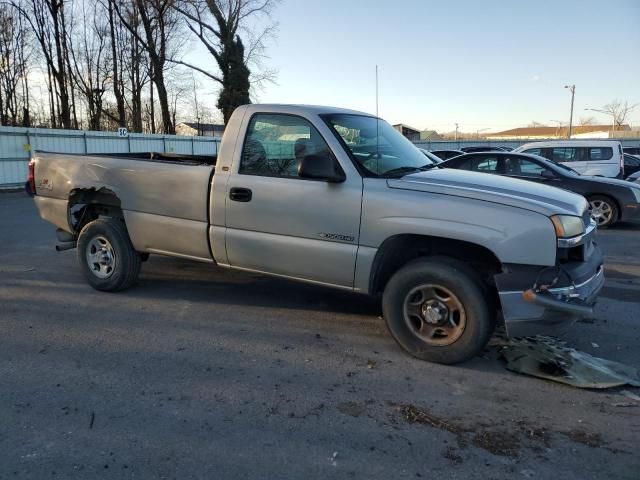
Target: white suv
x,y
587,157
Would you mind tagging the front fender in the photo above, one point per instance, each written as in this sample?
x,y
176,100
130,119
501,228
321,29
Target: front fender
x,y
514,235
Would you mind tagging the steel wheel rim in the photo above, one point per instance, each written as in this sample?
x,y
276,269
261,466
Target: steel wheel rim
x,y
100,256
600,211
434,314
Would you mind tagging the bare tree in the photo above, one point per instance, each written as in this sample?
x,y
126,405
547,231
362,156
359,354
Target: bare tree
x,y
116,42
584,121
221,25
47,21
619,111
89,61
14,55
158,38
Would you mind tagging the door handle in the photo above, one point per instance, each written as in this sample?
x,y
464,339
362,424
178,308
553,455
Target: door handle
x,y
240,194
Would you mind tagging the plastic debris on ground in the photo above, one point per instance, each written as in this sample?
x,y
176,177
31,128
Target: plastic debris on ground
x,y
550,358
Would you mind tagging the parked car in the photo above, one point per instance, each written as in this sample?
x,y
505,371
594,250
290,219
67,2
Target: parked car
x,y
507,149
347,202
480,148
632,151
587,157
631,164
610,199
446,154
435,160
634,178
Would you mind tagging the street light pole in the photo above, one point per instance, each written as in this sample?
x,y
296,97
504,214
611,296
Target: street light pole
x,y
456,137
573,92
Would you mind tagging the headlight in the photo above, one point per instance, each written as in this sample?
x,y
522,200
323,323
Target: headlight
x,y
636,193
567,226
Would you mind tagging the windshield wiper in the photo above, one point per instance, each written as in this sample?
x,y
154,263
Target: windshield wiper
x,y
405,170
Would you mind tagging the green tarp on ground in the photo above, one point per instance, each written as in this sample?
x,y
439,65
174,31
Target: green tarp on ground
x,y
549,358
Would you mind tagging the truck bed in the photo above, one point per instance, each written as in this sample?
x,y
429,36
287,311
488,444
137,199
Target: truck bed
x,y
164,197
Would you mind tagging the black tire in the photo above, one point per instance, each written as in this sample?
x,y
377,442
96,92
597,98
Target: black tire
x,y
112,234
464,285
615,213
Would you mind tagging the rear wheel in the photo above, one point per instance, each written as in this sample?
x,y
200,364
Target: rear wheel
x,y
437,310
603,210
107,257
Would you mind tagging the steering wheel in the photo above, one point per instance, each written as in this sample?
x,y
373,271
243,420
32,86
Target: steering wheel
x,y
370,158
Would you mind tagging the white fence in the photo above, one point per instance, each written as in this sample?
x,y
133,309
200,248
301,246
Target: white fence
x,y
16,145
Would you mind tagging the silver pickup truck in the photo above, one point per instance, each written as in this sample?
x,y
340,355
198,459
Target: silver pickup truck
x,y
337,198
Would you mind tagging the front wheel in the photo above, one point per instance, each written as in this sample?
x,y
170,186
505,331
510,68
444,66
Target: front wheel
x,y
437,310
107,257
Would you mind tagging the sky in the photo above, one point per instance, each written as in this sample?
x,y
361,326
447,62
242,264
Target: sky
x,y
483,64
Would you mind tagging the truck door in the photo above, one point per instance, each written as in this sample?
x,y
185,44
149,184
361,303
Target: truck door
x,y
282,224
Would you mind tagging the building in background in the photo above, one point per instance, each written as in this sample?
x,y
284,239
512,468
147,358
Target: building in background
x,y
415,135
430,136
578,131
194,129
411,133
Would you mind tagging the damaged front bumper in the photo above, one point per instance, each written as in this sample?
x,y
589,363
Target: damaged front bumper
x,y
530,312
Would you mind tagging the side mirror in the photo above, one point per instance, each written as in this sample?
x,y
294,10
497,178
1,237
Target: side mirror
x,y
320,167
547,174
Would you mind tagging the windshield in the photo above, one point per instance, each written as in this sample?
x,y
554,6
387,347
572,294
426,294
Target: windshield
x,y
377,146
434,159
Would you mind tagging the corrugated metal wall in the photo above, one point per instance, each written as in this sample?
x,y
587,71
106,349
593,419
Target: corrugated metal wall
x,y
16,144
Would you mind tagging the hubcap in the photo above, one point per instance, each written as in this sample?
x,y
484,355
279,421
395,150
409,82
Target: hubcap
x,y
601,211
434,314
101,258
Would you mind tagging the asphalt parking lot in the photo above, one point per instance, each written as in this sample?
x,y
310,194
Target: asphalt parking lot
x,y
198,372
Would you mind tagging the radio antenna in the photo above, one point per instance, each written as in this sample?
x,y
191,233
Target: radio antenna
x,y
377,121
376,90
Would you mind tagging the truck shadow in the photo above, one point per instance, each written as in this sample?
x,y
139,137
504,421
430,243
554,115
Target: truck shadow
x,y
172,278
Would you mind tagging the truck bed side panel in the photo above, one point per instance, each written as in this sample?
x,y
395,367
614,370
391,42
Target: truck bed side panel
x,y
155,197
168,235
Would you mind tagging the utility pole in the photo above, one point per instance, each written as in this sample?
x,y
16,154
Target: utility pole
x,y
456,137
572,88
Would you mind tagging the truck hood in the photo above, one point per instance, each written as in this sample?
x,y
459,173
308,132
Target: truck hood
x,y
494,188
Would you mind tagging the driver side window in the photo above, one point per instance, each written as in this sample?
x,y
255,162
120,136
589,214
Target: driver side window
x,y
276,144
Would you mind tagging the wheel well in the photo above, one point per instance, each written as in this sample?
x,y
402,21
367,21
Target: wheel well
x,y
397,251
88,204
615,202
